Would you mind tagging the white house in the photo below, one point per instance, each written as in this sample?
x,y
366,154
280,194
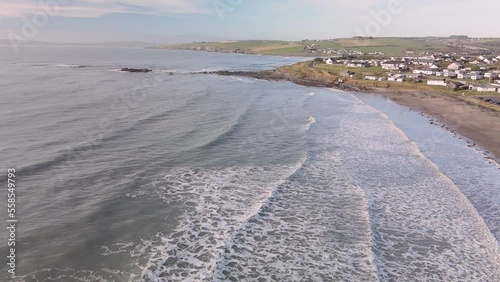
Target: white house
x,y
414,75
441,82
476,77
393,65
356,65
371,77
463,76
455,66
328,61
430,72
450,74
483,88
426,71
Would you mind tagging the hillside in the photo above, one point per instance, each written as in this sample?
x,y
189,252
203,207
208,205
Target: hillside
x,y
347,46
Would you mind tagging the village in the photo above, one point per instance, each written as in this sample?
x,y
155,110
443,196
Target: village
x,y
475,73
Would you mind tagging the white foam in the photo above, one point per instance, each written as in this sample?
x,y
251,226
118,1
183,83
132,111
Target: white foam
x,y
69,66
311,120
314,228
424,227
217,202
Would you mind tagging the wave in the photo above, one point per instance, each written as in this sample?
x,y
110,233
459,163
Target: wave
x,y
311,120
77,151
296,231
431,213
71,66
204,70
67,274
219,201
228,131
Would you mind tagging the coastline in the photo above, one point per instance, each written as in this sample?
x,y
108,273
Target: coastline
x,y
478,124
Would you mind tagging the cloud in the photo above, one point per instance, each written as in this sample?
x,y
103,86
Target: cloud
x,y
357,4
97,8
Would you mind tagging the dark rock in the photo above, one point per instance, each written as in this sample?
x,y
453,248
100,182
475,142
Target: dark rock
x,y
136,70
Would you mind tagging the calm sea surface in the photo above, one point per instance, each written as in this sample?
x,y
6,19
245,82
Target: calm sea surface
x,y
195,177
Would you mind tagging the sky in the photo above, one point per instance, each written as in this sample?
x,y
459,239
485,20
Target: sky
x,y
169,21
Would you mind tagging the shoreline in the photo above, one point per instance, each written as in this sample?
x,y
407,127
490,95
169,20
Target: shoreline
x,y
473,123
478,124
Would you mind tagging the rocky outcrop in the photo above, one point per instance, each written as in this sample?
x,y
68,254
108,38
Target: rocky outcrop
x,y
277,75
136,70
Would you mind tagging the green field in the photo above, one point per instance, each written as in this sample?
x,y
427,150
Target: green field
x,y
387,45
336,69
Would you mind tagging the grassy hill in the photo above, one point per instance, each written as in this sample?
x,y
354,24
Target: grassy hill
x,y
388,45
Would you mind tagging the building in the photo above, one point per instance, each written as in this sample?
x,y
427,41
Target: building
x,y
476,77
483,88
427,71
414,76
455,66
440,82
357,65
393,65
455,85
329,61
371,77
450,74
463,76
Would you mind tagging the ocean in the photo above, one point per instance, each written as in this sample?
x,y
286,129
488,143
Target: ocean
x,y
197,177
